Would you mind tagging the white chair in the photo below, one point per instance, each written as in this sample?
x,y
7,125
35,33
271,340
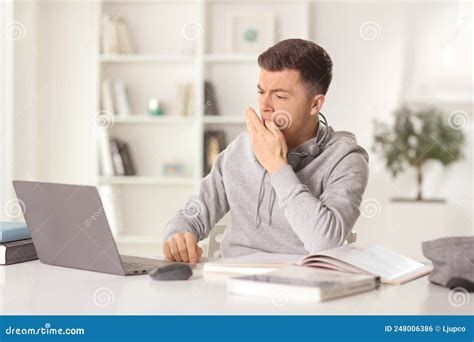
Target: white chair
x,y
215,238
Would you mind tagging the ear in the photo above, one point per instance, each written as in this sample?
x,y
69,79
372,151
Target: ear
x,y
317,103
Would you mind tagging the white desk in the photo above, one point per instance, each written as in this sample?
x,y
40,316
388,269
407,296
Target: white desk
x,y
36,288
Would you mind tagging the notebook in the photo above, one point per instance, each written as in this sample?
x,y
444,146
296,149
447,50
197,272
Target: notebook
x,y
298,283
257,263
12,231
17,251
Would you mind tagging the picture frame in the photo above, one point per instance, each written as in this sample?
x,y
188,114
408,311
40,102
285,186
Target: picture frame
x,y
251,33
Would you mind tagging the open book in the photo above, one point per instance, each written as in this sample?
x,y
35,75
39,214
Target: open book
x,y
358,258
393,268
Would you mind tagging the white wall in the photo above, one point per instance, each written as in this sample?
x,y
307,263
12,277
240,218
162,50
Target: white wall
x,y
67,40
372,78
25,90
19,107
53,91
6,105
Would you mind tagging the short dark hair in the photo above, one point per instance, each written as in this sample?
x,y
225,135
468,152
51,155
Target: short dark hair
x,y
310,59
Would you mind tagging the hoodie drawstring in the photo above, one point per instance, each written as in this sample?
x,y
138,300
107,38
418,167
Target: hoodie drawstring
x,y
260,200
271,203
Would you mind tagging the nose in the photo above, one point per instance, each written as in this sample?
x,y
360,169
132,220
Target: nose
x,y
266,105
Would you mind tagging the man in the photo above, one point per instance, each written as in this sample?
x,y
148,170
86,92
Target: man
x,y
291,184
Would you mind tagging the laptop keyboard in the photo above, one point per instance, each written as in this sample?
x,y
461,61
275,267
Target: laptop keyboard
x,y
134,264
137,267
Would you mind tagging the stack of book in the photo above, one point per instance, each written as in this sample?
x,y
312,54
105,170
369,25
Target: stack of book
x,y
115,36
115,97
15,243
332,273
115,156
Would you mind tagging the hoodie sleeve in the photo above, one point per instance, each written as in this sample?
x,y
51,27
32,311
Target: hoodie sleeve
x,y
324,222
201,212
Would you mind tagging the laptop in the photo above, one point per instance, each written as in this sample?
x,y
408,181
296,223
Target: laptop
x,y
69,228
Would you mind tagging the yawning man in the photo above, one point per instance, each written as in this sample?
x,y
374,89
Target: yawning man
x,y
291,183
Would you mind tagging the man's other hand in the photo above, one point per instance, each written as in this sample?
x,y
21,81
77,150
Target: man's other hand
x,y
182,247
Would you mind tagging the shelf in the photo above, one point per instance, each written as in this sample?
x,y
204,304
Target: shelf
x,y
216,119
230,58
172,120
145,180
149,119
155,70
147,58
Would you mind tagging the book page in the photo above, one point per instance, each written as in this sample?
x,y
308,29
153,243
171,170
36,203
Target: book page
x,y
373,259
341,265
258,260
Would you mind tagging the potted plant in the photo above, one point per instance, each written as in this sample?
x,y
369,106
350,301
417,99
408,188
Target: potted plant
x,y
415,138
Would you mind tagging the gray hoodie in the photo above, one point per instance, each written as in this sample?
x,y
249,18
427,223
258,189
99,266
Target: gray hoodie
x,y
309,205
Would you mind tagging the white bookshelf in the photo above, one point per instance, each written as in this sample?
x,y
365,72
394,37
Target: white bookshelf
x,y
157,120
144,203
218,119
146,58
144,180
230,58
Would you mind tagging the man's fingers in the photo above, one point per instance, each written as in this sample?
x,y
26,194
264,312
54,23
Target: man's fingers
x,y
274,129
182,249
250,125
174,250
167,251
191,247
253,120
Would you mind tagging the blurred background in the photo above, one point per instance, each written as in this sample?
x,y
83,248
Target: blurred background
x,y
138,97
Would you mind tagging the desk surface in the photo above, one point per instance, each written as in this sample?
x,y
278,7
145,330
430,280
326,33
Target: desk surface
x,y
36,288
